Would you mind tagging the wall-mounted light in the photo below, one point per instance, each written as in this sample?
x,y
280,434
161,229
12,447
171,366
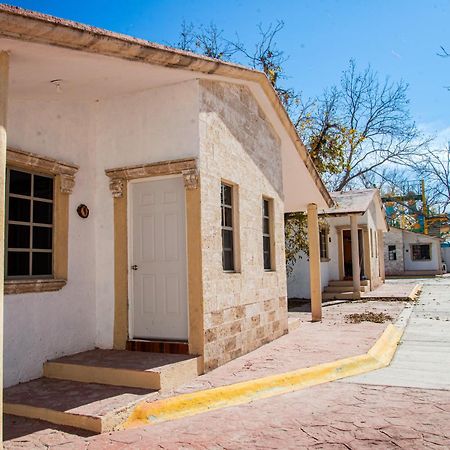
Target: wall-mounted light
x,y
57,83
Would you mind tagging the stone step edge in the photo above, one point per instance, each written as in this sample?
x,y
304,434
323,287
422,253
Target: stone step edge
x,y
344,289
346,283
103,375
160,378
91,423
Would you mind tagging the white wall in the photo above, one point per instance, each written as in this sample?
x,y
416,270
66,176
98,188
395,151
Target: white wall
x,y
445,251
160,124
298,285
414,238
46,325
156,125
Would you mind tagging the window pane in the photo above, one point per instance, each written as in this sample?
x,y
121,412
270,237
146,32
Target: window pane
x,y
266,226
227,260
42,212
19,209
18,236
266,207
267,264
18,263
42,237
226,194
266,244
227,239
43,187
42,264
19,182
228,217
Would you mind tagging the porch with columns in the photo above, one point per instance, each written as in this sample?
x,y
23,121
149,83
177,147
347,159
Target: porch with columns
x,y
314,260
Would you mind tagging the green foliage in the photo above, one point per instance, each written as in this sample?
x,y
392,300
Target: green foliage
x,y
296,238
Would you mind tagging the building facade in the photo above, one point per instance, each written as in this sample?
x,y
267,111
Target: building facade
x,y
410,253
146,190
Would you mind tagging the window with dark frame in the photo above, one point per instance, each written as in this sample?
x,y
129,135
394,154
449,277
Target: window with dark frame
x,y
226,200
323,241
267,244
392,253
421,252
29,225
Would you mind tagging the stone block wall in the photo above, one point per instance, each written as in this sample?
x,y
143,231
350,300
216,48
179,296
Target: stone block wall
x,y
394,237
247,308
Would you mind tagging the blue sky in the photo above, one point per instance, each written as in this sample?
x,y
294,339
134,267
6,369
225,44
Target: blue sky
x,y
399,38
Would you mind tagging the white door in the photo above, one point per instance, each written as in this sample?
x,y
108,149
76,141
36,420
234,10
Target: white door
x,y
158,260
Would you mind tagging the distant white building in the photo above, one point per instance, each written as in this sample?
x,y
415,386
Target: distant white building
x,y
336,256
410,253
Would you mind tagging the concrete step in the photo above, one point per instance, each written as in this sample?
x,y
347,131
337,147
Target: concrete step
x,y
337,295
293,324
95,407
125,368
344,289
347,283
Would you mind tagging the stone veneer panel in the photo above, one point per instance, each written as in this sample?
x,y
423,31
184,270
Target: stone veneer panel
x,y
244,310
394,237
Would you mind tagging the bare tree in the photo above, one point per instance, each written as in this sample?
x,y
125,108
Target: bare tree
x,y
435,169
207,40
363,124
443,53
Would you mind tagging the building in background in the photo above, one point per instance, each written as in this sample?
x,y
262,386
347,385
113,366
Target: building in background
x,y
337,260
411,253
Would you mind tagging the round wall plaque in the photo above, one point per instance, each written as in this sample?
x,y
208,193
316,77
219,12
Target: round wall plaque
x,y
83,211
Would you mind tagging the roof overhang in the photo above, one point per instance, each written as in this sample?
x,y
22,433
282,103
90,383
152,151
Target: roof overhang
x,y
30,26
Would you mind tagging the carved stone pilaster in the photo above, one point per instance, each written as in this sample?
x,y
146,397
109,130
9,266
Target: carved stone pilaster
x,y
191,178
67,183
116,186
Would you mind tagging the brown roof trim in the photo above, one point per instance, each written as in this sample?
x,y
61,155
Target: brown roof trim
x,y
32,26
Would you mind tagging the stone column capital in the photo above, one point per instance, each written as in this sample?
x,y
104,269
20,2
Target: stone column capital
x,y
67,183
191,178
116,186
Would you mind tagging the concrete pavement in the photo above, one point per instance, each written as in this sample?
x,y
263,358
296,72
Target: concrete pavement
x,y
423,357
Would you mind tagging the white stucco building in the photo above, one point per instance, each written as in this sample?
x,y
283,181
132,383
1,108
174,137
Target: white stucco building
x,y
185,165
411,253
337,258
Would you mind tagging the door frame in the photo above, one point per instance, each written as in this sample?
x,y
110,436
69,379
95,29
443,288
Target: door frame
x,y
132,183
365,248
119,180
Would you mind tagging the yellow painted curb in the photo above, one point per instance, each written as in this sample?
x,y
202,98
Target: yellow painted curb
x,y
415,292
380,355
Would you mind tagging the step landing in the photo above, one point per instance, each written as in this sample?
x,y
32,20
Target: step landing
x,y
88,406
97,389
126,368
347,283
337,295
344,288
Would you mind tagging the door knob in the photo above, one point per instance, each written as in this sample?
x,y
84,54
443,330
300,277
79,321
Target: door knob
x,y
134,267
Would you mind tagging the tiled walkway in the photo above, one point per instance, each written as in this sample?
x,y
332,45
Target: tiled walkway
x,y
310,344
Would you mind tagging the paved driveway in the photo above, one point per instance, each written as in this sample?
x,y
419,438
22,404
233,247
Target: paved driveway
x,y
423,357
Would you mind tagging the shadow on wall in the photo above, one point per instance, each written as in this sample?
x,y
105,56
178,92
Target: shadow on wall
x,y
245,120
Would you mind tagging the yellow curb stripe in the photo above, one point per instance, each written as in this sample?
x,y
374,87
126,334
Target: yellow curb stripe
x,y
415,292
380,355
